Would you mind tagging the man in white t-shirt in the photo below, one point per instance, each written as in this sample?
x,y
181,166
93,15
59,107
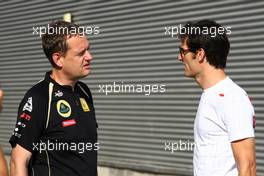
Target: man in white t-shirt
x,y
225,121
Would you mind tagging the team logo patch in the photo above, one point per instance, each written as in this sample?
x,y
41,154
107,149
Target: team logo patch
x,y
84,105
64,108
28,106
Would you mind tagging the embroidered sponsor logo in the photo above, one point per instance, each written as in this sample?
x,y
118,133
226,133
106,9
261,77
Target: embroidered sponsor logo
x,y
21,124
64,108
18,129
84,105
67,123
58,93
28,106
17,134
25,116
221,95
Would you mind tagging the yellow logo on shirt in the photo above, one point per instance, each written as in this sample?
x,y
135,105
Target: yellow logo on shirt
x,y
64,108
84,105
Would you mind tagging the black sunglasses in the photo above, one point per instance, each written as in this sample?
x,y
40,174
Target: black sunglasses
x,y
183,52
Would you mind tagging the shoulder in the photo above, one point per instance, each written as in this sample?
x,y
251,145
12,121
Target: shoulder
x,y
227,94
235,93
236,100
229,90
85,89
83,86
39,91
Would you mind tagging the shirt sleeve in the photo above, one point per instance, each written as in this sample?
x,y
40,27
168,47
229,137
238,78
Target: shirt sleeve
x,y
30,122
238,117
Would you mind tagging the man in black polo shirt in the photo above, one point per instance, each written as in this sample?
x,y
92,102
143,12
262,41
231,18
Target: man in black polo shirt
x,y
55,133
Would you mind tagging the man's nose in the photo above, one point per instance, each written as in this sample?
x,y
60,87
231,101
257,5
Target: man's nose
x,y
180,57
88,56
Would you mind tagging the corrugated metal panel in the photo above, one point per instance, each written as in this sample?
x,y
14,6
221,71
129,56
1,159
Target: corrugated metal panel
x,y
132,48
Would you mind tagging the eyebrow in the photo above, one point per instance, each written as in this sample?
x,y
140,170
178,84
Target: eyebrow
x,y
83,51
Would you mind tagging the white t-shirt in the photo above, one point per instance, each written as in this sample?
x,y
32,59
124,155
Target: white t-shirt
x,y
225,114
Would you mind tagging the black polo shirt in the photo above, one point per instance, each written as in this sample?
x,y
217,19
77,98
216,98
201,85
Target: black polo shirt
x,y
57,125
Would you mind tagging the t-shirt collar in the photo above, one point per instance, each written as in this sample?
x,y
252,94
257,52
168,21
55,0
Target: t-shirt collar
x,y
217,85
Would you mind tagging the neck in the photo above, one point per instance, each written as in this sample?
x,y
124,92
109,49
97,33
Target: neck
x,y
210,77
61,79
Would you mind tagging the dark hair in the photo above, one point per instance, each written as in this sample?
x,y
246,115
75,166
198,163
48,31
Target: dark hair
x,y
55,36
210,36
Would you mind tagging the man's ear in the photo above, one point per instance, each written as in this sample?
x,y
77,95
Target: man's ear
x,y
57,59
201,55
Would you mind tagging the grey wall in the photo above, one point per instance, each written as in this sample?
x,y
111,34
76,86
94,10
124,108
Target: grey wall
x,y
132,48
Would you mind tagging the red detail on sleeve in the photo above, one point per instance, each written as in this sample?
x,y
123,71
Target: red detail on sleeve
x,y
25,116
